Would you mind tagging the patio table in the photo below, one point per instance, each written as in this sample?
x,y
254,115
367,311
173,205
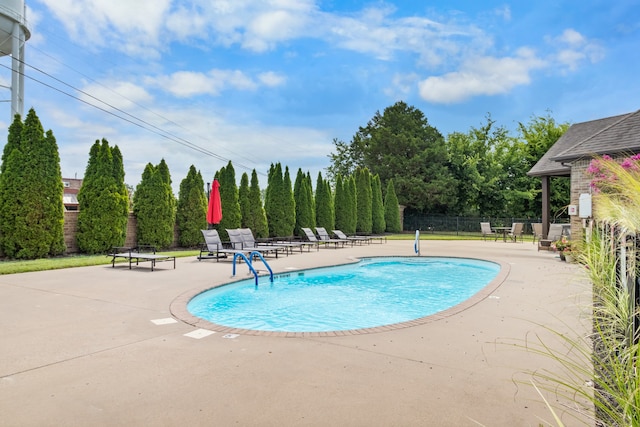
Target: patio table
x,y
502,230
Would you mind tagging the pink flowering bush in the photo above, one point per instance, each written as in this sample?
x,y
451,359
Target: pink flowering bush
x,y
603,176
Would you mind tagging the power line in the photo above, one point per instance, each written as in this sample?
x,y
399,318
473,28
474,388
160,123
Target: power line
x,y
134,120
124,97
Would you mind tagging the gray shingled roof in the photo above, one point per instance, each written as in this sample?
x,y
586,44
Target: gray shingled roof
x,y
610,135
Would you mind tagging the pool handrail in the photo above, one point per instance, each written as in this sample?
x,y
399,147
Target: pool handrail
x,y
250,265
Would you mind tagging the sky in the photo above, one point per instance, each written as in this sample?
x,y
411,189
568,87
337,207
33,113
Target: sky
x,y
255,82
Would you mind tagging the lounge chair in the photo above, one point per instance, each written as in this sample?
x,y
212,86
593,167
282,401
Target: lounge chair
x,y
311,237
516,231
214,248
555,233
485,227
237,238
537,231
353,239
324,237
249,240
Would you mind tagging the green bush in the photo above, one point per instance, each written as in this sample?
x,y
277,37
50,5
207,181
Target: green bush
x,y
191,213
391,209
155,207
103,201
31,207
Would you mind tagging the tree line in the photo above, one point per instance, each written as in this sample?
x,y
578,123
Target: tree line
x,y
397,158
32,209
482,172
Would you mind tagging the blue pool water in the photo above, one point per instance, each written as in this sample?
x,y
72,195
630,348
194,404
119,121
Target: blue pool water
x,y
372,292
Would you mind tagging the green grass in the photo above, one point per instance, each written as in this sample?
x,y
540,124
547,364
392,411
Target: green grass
x,y
71,261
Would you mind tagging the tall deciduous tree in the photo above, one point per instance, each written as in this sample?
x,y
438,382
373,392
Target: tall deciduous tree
x,y
538,136
31,208
191,213
103,201
476,160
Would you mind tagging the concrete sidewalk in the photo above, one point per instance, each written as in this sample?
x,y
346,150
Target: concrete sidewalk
x,y
91,347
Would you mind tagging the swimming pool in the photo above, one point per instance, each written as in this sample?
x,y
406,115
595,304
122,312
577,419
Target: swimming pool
x,y
370,293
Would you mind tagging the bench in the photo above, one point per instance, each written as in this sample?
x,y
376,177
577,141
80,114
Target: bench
x,y
139,253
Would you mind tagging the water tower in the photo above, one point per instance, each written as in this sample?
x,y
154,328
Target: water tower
x,y
13,35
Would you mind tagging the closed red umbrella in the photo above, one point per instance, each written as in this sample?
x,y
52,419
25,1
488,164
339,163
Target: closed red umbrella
x,y
214,211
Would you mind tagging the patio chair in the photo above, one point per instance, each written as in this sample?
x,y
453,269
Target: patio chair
x,y
555,233
237,238
516,231
249,240
324,236
536,229
310,235
214,248
485,227
353,239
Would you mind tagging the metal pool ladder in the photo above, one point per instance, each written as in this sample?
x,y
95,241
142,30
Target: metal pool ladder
x,y
251,268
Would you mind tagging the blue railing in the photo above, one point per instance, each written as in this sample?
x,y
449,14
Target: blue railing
x,y
250,265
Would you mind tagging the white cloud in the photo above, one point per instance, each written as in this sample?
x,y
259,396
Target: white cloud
x,y
270,27
134,26
144,27
272,79
481,76
119,94
186,84
402,85
504,12
573,49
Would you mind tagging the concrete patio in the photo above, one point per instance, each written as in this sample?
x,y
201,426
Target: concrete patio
x,y
92,346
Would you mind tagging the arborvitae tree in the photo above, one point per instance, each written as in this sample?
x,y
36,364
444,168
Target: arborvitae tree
x,y
278,204
154,206
31,208
103,201
229,199
304,205
313,200
256,219
325,215
272,206
391,210
289,205
243,199
13,140
191,214
341,208
331,217
352,203
377,208
363,201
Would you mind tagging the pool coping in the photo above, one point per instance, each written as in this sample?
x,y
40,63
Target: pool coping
x,y
178,307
